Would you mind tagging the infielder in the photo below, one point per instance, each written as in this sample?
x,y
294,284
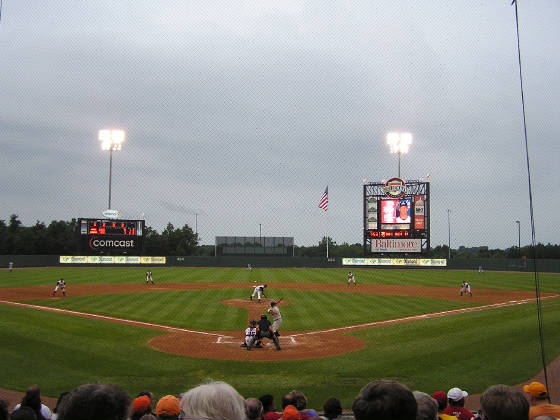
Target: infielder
x,y
61,284
276,316
351,278
259,290
465,288
149,277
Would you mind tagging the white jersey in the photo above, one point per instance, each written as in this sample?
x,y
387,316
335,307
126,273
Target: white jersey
x,y
250,332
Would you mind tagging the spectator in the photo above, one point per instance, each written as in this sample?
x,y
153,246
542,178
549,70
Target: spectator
x,y
95,402
4,412
140,406
332,408
290,399
150,395
270,412
456,399
213,401
502,402
148,416
32,399
384,400
23,413
58,402
427,406
168,408
441,398
301,404
291,413
254,409
538,397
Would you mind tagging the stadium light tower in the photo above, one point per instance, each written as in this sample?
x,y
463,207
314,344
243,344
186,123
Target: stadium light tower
x,y
399,143
111,140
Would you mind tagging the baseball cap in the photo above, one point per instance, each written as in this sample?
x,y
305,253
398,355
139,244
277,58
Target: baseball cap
x,y
457,394
168,405
536,389
140,404
440,396
290,413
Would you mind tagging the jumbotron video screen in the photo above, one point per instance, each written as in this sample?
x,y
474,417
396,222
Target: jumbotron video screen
x,y
397,217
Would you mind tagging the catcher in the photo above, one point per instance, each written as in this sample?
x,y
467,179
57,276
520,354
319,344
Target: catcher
x,y
250,333
264,329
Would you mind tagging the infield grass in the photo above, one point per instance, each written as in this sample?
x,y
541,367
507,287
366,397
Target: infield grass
x,y
470,350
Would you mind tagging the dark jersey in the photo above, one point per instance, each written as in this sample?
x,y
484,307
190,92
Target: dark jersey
x,y
264,324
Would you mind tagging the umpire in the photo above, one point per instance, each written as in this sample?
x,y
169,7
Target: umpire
x,y
264,330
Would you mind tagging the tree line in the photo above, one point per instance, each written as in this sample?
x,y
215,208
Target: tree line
x,y
60,238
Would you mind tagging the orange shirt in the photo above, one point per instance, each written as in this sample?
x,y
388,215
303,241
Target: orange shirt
x,y
550,409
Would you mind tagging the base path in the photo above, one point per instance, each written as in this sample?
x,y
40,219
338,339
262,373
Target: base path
x,y
295,345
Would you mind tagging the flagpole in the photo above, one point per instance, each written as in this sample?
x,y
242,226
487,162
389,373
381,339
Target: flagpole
x,y
324,205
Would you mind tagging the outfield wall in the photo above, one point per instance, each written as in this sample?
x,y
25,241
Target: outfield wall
x,y
543,265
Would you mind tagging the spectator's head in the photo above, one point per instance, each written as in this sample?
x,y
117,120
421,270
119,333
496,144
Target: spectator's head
x,y
300,400
290,413
441,398
4,412
23,413
148,394
267,401
140,406
536,391
427,406
384,400
148,416
59,401
287,400
254,408
332,408
456,397
168,408
32,399
213,400
95,402
502,402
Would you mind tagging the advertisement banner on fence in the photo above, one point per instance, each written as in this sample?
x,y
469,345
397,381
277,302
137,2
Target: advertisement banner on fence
x,y
104,259
405,262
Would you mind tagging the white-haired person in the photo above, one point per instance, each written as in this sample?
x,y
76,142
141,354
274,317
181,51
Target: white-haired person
x,y
213,400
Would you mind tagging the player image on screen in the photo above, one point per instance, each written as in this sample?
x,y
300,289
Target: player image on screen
x,y
403,212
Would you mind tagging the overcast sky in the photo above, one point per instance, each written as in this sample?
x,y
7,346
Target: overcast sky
x,y
239,114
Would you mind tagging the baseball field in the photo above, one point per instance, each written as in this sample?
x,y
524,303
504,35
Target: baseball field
x,y
407,325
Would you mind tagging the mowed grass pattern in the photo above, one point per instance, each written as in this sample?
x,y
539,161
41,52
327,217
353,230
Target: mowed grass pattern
x,y
471,350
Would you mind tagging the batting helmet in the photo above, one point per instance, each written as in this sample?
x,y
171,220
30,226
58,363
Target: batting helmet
x,y
273,303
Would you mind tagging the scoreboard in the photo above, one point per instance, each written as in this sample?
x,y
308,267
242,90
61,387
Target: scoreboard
x,y
110,236
397,217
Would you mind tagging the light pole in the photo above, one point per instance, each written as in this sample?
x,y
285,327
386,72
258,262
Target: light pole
x,y
518,237
449,235
111,140
399,143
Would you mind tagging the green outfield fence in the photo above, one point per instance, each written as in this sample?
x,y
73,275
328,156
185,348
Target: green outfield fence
x,y
487,264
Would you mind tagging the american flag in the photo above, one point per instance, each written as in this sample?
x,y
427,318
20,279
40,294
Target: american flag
x,y
324,203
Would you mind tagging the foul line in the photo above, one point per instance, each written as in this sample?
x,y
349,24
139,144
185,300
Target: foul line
x,y
110,318
424,316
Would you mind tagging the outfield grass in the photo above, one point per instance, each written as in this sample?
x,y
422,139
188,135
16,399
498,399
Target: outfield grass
x,y
471,350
